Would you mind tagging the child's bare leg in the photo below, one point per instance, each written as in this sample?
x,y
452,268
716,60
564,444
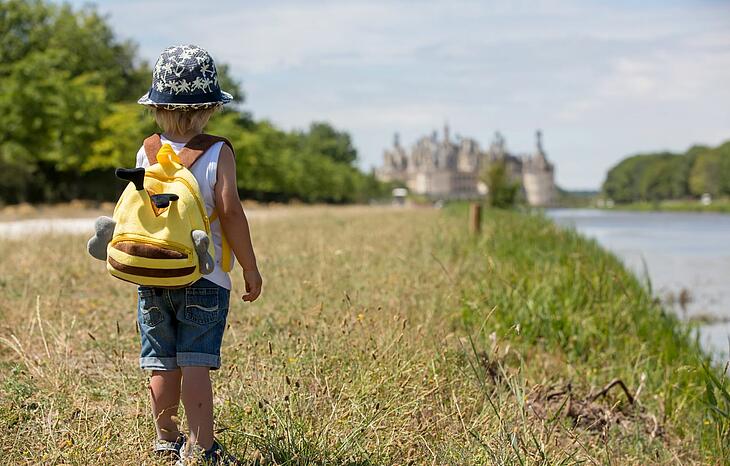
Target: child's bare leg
x,y
197,396
165,391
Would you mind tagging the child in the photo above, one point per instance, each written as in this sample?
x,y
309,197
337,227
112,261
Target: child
x,y
181,329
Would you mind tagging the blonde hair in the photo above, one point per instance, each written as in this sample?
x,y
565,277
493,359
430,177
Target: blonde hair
x,y
183,122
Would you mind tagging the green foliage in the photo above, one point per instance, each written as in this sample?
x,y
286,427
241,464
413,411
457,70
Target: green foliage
x,y
711,172
575,199
323,139
68,117
271,164
59,71
717,400
663,176
503,190
80,42
114,147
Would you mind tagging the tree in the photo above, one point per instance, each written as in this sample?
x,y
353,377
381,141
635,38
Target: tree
x,y
649,177
83,37
68,116
502,191
323,139
711,171
664,175
121,131
59,71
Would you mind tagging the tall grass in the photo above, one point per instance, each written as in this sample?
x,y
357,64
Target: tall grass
x,y
384,336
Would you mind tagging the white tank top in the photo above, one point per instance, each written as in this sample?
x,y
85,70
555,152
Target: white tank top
x,y
205,171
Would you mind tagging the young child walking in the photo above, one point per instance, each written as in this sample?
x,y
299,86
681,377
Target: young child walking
x,y
181,329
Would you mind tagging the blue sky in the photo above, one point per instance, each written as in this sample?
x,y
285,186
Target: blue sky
x,y
601,79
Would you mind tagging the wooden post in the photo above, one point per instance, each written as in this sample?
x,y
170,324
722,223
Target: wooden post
x,y
475,218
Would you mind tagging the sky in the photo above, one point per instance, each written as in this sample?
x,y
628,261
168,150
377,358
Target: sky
x,y
602,80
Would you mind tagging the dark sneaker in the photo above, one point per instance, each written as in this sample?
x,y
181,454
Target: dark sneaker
x,y
168,448
194,455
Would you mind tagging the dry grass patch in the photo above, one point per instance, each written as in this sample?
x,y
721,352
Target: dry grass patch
x,y
373,343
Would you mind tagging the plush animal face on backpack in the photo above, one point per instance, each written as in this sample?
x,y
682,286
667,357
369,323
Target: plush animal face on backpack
x,y
160,232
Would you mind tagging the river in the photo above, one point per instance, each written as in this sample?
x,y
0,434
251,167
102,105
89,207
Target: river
x,y
683,255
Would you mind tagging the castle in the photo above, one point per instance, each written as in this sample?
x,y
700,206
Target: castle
x,y
450,169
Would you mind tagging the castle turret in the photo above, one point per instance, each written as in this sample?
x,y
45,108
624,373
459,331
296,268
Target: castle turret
x,y
497,149
538,161
538,176
395,163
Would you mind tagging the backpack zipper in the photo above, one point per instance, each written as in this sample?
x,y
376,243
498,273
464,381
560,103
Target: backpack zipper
x,y
181,248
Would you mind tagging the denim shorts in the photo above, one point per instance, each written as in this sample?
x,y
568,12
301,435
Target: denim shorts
x,y
183,326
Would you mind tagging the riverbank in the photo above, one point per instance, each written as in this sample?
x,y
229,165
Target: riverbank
x,y
682,257
719,206
383,336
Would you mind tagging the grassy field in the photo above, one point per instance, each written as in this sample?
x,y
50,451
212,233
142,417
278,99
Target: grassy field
x,y
383,336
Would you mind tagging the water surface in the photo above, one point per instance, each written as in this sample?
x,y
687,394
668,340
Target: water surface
x,y
674,252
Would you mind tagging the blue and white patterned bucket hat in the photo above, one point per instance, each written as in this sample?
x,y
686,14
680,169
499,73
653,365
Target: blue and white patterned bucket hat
x,y
185,78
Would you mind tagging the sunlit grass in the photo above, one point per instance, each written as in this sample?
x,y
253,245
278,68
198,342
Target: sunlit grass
x,y
384,336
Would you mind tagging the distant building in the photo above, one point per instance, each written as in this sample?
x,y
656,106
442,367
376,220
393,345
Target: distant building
x,y
451,169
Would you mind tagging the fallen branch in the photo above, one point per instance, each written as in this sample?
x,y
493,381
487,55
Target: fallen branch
x,y
612,384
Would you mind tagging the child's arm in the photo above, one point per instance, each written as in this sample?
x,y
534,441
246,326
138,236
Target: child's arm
x,y
234,223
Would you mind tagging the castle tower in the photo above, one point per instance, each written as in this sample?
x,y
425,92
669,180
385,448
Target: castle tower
x,y
538,177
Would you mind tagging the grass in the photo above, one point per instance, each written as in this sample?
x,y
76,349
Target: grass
x,y
680,205
384,336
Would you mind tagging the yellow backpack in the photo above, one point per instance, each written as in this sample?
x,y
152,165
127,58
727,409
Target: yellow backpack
x,y
160,232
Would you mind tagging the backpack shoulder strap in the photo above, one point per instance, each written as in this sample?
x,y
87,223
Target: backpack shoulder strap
x,y
152,146
197,147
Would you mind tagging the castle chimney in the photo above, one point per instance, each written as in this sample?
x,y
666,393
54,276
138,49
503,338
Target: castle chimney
x,y
446,132
538,137
396,140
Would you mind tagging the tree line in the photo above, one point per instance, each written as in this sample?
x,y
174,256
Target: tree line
x,y
68,117
665,175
